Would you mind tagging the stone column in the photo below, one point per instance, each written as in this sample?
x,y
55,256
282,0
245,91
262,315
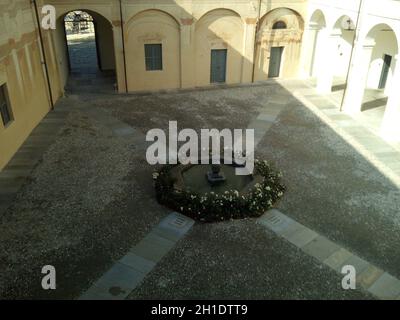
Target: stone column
x,y
119,56
308,51
358,77
187,54
248,50
390,128
327,62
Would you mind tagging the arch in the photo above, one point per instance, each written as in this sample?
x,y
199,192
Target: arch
x,y
371,82
278,44
340,41
144,12
316,27
213,15
385,42
62,13
378,28
220,9
69,20
317,19
104,37
104,44
290,17
344,22
153,27
219,29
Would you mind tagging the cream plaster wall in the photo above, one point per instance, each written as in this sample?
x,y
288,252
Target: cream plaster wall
x,y
21,71
152,27
289,38
188,30
219,29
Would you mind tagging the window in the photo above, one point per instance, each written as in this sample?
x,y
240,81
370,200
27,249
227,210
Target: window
x,y
279,25
153,55
5,111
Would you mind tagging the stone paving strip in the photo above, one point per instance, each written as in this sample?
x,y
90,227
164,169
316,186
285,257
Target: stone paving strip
x,y
120,128
265,120
125,275
382,151
18,170
381,154
371,278
385,153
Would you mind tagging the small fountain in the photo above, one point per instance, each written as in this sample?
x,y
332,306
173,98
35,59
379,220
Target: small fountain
x,y
215,192
215,176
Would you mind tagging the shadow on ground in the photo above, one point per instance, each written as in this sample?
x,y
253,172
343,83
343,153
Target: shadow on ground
x,y
91,199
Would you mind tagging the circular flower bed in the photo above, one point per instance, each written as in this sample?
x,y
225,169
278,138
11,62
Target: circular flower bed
x,y
232,204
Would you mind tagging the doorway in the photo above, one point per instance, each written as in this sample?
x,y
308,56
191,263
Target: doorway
x,y
82,43
89,53
218,65
387,60
275,62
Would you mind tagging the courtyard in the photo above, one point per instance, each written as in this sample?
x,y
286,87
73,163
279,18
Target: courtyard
x,y
89,199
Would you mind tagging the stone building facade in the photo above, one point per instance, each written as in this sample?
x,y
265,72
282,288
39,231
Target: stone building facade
x,y
172,44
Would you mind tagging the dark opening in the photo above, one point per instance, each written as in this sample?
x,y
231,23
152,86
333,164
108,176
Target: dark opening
x,y
82,42
5,109
387,60
275,62
90,52
218,65
279,25
153,57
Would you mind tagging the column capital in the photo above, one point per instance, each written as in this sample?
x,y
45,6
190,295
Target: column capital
x,y
336,33
314,26
369,43
116,23
186,21
251,21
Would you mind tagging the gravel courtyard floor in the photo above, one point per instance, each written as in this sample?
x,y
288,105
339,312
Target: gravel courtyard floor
x,y
91,198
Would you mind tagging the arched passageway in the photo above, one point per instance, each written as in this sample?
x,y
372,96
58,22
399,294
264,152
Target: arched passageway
x,y
84,42
371,90
316,29
332,52
342,36
381,49
83,51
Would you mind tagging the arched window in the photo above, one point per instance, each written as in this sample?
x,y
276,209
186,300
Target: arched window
x,y
279,25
